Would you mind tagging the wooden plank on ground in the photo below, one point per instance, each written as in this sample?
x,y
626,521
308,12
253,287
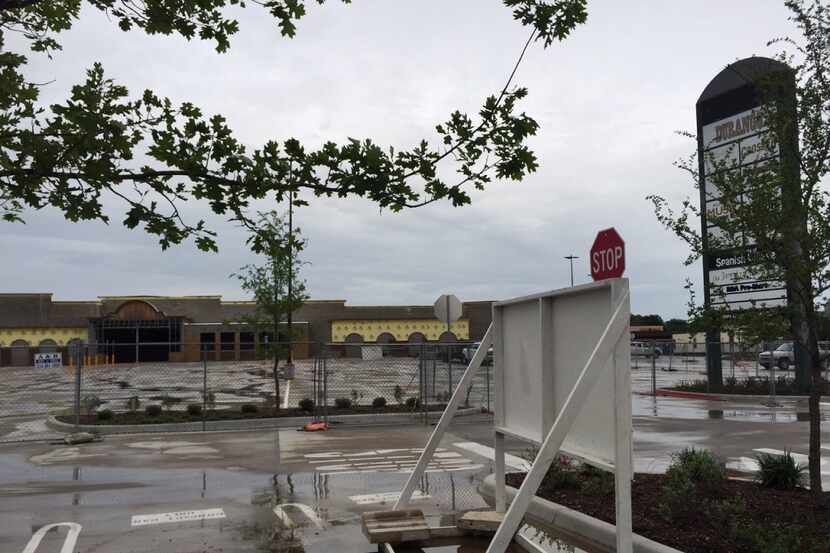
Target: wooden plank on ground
x,y
481,521
395,526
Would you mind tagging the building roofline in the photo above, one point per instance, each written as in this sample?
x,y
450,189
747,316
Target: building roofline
x,y
148,297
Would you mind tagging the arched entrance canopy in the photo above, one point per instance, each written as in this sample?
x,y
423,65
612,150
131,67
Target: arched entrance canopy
x,y
136,331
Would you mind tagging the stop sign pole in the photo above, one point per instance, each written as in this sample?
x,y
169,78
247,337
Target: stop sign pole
x,y
607,255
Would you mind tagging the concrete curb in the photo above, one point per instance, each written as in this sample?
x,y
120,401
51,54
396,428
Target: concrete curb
x,y
668,392
246,424
587,532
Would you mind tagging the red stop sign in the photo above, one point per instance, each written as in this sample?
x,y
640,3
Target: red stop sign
x,y
607,255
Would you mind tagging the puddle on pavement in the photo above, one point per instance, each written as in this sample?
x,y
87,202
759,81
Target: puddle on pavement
x,y
103,499
681,408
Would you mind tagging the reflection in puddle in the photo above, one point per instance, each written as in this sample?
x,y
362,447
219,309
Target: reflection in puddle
x,y
543,540
681,408
272,538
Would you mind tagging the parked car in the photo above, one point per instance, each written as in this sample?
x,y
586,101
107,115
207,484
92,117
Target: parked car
x,y
470,350
784,356
645,349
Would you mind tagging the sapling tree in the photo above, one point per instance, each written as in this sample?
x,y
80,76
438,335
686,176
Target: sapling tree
x,y
777,210
275,285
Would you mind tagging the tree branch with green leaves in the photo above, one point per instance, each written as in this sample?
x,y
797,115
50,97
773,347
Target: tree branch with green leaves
x,y
153,155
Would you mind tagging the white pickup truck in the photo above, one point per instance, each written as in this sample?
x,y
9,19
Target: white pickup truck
x,y
644,349
784,356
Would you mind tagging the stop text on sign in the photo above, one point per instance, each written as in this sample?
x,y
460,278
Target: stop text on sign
x,y
606,260
607,255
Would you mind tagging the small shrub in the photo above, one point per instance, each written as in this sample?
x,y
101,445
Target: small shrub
x,y
596,481
342,403
90,403
153,410
702,467
379,402
692,472
560,476
105,415
133,404
773,538
306,404
728,513
249,409
781,472
123,384
356,396
194,409
413,403
677,498
398,394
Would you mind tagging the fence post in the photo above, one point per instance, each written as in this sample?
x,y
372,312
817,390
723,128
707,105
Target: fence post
x,y
204,389
772,399
757,360
449,365
326,388
422,362
653,369
79,361
489,368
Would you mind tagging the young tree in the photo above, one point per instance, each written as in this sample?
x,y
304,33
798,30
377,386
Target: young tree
x,y
80,153
275,285
778,211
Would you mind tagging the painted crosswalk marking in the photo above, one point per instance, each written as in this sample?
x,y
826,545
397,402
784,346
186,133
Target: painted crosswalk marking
x,y
387,497
178,516
387,460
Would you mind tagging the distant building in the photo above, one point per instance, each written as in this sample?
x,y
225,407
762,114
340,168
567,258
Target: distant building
x,y
167,328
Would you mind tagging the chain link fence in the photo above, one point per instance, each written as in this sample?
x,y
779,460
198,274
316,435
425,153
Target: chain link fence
x,y
747,368
119,385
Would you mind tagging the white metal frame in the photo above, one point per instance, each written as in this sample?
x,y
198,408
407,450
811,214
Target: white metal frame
x,y
446,418
613,345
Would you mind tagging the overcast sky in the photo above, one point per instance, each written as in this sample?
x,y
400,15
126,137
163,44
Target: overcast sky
x,y
608,101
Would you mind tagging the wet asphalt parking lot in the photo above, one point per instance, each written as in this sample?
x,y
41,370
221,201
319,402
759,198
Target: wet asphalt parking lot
x,y
291,491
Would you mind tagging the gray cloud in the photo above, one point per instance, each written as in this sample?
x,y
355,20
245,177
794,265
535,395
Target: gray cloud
x,y
608,100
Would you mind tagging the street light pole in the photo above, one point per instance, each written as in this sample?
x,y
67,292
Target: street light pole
x,y
290,276
571,259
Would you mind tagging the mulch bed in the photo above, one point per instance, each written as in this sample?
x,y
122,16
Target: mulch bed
x,y
702,530
140,417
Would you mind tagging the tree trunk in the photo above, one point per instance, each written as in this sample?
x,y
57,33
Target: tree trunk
x,y
275,346
815,396
815,439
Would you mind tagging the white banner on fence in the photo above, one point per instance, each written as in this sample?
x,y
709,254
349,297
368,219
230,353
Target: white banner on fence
x,y
48,360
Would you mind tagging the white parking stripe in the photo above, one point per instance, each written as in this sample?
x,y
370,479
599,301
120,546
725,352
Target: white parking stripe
x,y
279,510
68,542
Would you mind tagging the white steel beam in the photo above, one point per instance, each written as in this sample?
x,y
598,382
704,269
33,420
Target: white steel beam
x,y
446,418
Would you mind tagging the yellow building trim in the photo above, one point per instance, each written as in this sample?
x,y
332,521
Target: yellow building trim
x,y
34,336
400,329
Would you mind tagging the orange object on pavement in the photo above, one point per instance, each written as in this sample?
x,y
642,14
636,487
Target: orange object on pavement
x,y
316,427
